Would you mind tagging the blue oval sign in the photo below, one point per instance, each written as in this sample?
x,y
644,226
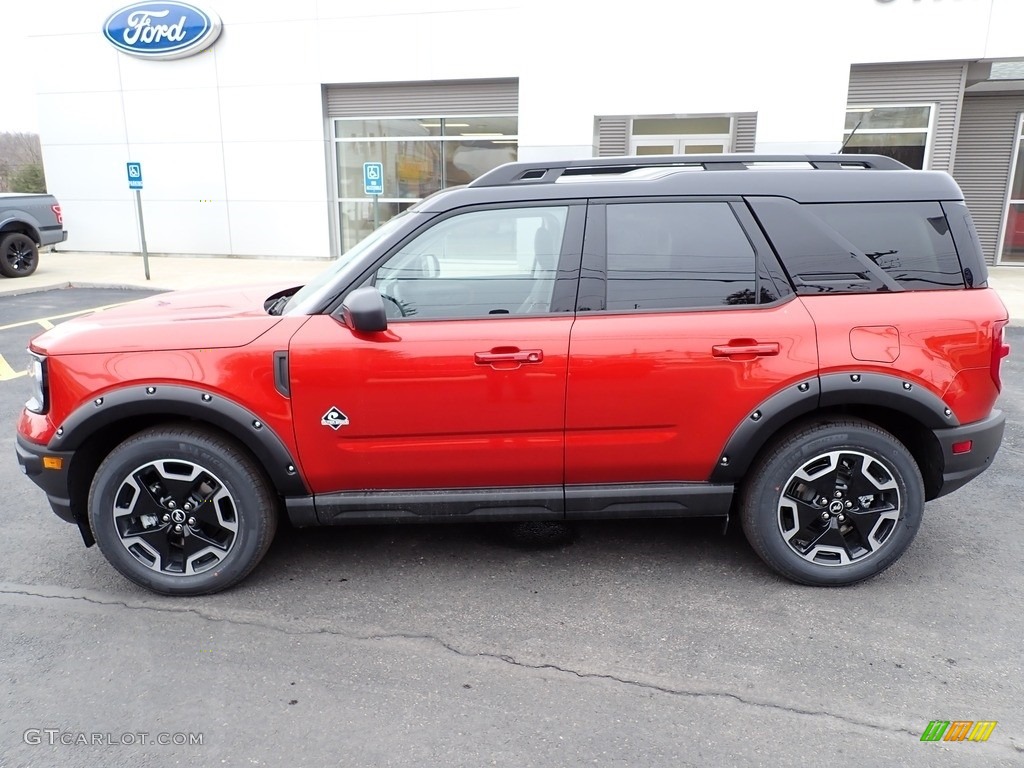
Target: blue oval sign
x,y
162,30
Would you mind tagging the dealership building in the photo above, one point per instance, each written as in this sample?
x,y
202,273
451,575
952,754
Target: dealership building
x,y
252,122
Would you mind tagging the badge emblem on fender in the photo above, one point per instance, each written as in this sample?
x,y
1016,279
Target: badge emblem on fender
x,y
334,418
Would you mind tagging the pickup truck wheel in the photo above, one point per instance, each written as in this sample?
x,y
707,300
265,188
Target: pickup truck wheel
x,y
19,255
182,511
833,504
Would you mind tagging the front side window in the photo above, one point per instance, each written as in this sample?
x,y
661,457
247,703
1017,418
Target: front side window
x,y
487,263
677,255
899,132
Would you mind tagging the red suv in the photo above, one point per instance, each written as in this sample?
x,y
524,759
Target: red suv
x,y
806,342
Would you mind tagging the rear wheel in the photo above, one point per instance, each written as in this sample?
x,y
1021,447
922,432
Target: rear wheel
x,y
19,255
833,503
182,511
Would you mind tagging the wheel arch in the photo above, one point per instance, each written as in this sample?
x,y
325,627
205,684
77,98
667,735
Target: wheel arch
x,y
20,225
909,413
94,429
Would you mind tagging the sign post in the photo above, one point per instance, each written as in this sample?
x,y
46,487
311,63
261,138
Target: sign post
x,y
135,182
373,185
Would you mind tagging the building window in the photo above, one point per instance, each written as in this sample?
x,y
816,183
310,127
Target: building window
x,y
698,135
1012,249
420,156
902,132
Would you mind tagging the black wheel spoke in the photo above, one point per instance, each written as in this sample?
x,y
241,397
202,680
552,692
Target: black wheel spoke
x,y
157,540
167,515
839,507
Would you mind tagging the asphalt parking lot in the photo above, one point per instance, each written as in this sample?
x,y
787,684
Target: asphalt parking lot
x,y
652,643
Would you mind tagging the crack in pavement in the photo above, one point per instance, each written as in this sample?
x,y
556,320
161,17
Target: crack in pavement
x,y
502,657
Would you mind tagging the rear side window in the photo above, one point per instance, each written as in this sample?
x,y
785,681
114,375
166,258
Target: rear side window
x,y
677,255
862,247
910,241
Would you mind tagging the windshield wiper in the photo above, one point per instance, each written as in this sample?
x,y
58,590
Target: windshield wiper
x,y
278,305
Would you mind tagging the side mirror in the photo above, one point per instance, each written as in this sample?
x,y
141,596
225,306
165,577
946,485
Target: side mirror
x,y
363,310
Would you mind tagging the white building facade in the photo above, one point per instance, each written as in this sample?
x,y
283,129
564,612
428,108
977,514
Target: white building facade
x,y
254,145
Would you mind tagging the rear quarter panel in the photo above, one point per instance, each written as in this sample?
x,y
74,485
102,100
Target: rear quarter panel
x,y
944,341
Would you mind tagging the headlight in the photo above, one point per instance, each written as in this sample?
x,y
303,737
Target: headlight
x,y
37,376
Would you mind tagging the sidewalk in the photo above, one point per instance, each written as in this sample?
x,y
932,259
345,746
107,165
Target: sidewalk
x,y
90,270
105,270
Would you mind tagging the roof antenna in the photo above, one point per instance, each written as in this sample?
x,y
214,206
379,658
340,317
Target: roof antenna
x,y
867,111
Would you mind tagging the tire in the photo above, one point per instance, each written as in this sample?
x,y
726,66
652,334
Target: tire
x,y
182,511
19,255
833,503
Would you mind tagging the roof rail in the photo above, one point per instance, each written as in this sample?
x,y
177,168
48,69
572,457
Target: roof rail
x,y
547,172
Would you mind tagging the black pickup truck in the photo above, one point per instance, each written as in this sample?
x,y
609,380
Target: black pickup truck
x,y
26,223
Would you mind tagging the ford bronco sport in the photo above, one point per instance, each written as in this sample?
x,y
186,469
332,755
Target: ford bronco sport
x,y
806,342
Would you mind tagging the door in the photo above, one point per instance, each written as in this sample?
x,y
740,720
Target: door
x,y
466,387
679,343
675,146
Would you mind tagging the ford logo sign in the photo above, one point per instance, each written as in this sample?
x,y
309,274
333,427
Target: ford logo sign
x,y
161,30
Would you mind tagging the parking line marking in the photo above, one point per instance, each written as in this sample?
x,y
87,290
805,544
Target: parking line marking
x,y
45,321
7,372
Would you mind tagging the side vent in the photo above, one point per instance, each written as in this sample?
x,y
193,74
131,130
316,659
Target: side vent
x,y
281,373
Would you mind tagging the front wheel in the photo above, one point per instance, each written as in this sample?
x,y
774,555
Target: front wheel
x,y
182,511
19,255
833,504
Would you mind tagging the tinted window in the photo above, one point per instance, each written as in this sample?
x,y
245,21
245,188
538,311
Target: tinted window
x,y
676,256
909,241
861,247
477,264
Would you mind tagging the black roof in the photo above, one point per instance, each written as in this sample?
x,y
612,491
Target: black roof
x,y
804,178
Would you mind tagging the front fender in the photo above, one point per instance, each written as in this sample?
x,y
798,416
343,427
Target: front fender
x,y
187,402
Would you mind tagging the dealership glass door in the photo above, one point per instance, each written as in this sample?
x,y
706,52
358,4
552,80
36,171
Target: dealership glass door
x,y
697,135
669,146
1011,249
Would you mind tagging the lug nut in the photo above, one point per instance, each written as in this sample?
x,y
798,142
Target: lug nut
x,y
186,506
177,528
192,522
824,515
166,518
838,494
842,518
171,504
849,505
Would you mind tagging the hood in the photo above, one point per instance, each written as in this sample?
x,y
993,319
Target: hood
x,y
201,319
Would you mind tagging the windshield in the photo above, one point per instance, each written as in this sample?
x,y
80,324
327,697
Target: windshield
x,y
325,278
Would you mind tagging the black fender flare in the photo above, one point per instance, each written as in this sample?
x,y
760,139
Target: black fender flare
x,y
831,390
188,402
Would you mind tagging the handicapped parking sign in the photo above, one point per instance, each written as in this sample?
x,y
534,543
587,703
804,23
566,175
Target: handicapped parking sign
x,y
373,178
134,175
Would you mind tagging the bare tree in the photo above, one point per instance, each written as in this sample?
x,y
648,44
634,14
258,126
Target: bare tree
x,y
21,162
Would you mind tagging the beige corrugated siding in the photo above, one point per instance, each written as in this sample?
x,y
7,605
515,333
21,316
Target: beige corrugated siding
x,y
940,83
984,152
461,97
612,136
746,132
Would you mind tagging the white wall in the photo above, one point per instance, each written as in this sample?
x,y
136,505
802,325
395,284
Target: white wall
x,y
232,140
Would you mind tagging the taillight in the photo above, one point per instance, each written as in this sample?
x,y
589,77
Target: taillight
x,y
1000,349
57,213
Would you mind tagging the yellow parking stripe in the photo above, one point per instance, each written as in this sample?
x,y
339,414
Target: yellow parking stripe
x,y
7,372
45,321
